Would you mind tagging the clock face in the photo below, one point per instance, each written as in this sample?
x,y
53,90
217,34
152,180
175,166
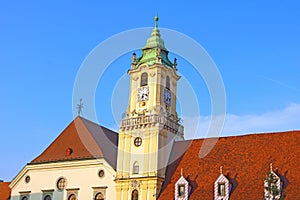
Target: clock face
x,y
167,97
143,94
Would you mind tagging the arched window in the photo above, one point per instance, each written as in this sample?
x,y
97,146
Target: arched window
x,y
168,83
72,197
99,196
134,195
135,169
144,79
47,197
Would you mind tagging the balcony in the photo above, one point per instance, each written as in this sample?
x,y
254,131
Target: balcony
x,y
152,120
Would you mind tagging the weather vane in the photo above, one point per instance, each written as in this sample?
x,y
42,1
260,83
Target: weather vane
x,y
79,107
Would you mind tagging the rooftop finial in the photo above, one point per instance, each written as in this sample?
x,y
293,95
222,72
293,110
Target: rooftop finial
x,y
181,172
79,107
156,21
271,167
221,170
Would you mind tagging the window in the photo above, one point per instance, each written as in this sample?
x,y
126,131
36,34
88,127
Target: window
x,y
47,197
134,195
181,190
135,168
101,173
137,141
24,198
99,196
72,193
144,79
47,194
221,189
168,82
72,197
27,179
69,151
61,183
99,193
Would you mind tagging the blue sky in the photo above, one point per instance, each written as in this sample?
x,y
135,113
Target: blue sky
x,y
255,45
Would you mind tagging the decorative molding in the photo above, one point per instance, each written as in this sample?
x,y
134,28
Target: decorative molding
x,y
72,189
99,187
48,190
152,74
135,184
135,78
24,192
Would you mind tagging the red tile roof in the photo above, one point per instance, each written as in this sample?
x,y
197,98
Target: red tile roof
x,y
4,190
86,140
245,160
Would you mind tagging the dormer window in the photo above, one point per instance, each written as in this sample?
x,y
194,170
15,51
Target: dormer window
x,y
222,187
272,185
168,83
144,79
181,188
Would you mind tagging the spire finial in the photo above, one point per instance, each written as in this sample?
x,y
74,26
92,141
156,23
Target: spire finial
x,y
156,20
271,167
221,170
79,107
181,172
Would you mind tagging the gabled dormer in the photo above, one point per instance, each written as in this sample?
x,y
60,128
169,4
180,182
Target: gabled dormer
x,y
182,188
222,187
272,185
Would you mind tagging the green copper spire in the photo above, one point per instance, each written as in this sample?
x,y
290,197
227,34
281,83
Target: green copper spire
x,y
154,51
155,41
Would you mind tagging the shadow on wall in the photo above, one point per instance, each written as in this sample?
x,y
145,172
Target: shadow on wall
x,y
47,195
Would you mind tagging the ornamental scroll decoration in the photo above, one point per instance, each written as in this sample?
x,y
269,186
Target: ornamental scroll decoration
x,y
135,184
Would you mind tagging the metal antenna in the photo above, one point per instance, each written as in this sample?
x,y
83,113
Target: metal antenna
x,y
79,107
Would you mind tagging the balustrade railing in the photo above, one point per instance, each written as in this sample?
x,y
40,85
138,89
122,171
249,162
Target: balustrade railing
x,y
145,120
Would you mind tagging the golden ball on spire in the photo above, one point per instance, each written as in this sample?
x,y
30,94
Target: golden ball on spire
x,y
156,18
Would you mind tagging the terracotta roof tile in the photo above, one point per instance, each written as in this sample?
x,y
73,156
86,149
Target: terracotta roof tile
x,y
4,190
86,140
245,161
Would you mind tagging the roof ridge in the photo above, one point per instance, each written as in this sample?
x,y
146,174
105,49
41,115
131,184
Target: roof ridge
x,y
243,135
90,134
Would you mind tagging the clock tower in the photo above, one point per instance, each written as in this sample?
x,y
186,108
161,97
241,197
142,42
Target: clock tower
x,y
151,123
